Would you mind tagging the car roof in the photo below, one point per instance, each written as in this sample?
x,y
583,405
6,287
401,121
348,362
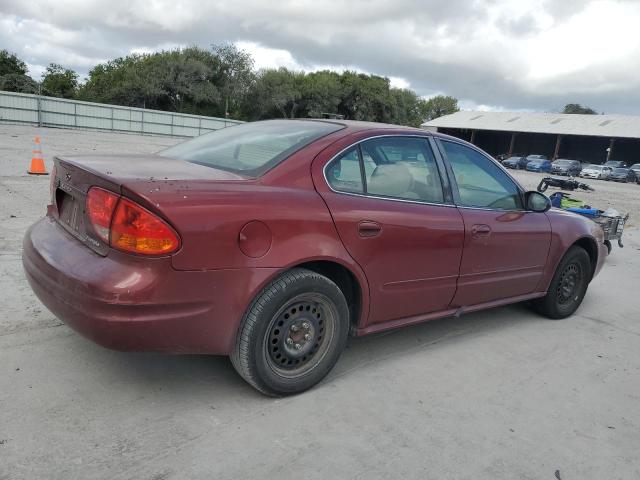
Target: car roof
x,y
355,126
358,125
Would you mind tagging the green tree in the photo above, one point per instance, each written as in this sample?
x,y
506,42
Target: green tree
x,y
13,74
277,93
438,106
406,107
14,82
58,81
323,92
577,108
179,80
234,77
365,97
11,64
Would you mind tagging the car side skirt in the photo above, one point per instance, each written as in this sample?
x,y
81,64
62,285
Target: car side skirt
x,y
451,312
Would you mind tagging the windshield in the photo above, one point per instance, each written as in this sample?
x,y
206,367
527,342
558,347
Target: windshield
x,y
621,170
635,166
562,163
595,167
251,148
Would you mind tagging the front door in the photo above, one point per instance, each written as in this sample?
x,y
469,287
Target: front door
x,y
389,207
505,247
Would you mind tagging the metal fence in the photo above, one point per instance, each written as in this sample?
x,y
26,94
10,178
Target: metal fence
x,y
58,112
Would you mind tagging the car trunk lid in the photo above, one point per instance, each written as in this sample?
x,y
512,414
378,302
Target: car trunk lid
x,y
144,178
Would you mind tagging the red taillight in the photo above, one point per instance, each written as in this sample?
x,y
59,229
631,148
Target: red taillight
x,y
100,207
135,229
127,226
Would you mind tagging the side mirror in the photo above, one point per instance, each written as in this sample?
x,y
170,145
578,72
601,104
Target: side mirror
x,y
537,202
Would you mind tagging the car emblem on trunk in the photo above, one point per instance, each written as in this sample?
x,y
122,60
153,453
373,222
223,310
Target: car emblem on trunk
x,y
68,177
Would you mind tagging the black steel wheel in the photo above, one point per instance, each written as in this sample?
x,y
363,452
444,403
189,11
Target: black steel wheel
x,y
568,286
292,334
300,334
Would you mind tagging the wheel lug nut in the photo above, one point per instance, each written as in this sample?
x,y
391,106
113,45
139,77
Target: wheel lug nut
x,y
298,346
305,325
294,328
289,341
307,337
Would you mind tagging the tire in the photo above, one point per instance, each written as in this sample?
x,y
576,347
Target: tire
x,y
292,334
568,286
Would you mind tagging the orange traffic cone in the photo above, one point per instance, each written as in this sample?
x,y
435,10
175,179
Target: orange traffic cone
x,y
37,162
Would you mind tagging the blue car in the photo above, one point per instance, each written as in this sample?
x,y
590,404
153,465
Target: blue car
x,y
539,165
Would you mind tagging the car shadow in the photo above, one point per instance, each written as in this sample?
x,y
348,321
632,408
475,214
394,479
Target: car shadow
x,y
214,376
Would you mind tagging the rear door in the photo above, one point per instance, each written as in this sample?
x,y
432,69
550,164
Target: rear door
x,y
397,220
505,246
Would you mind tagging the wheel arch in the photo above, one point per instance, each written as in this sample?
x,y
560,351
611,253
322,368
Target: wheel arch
x,y
591,247
347,282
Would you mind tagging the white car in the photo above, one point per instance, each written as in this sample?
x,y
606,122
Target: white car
x,y
596,171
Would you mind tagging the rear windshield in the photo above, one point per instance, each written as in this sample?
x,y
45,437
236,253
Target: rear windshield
x,y
563,162
621,170
252,148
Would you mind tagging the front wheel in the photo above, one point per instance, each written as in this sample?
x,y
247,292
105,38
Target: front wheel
x,y
292,334
568,286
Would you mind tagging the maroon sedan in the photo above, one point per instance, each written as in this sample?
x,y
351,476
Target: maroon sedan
x,y
272,242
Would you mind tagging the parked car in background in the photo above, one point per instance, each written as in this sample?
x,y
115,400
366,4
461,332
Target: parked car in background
x,y
622,175
273,241
636,169
615,164
515,162
539,165
502,157
563,166
600,172
520,162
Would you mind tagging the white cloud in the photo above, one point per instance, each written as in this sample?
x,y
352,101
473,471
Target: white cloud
x,y
536,54
265,57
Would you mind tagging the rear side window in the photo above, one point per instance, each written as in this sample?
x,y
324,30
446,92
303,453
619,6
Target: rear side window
x,y
344,174
253,148
481,183
391,167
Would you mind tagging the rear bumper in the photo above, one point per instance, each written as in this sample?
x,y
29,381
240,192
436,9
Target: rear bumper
x,y
126,302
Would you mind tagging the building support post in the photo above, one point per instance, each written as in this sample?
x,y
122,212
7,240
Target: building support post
x,y
612,143
473,136
512,144
557,150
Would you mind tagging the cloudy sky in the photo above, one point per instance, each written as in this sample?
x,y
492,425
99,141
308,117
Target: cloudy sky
x,y
490,54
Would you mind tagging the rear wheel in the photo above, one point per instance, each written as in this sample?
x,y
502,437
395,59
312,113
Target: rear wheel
x,y
293,333
568,286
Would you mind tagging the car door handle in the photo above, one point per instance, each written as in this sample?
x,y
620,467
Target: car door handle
x,y
480,230
369,228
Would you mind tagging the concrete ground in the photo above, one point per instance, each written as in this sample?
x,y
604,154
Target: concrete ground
x,y
500,394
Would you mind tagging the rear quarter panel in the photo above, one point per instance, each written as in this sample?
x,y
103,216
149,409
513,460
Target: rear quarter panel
x,y
210,216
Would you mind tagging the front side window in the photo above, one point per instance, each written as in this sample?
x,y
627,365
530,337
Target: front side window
x,y
481,183
253,148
